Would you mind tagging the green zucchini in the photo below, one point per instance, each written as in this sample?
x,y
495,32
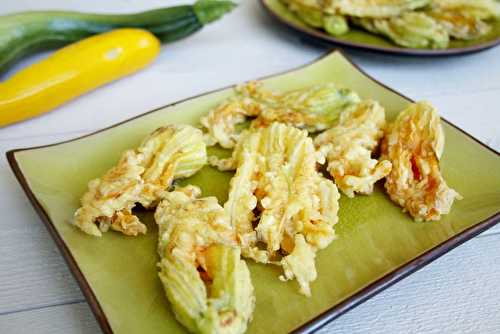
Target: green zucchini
x,y
27,32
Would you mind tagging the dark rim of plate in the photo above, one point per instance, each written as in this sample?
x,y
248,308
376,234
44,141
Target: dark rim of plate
x,y
312,325
323,37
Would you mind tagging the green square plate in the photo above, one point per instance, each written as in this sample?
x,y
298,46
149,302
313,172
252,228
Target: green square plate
x,y
362,39
377,243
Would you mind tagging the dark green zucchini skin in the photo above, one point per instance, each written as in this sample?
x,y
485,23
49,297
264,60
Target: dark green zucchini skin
x,y
25,33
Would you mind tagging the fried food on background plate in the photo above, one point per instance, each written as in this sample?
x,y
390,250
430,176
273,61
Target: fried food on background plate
x,y
207,283
414,144
460,25
313,108
279,200
481,9
372,8
140,177
418,24
411,30
309,11
312,13
335,25
349,147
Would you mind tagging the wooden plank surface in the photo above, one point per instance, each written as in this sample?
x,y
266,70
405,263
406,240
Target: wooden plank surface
x,y
457,294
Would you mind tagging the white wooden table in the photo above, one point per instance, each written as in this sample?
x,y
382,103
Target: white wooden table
x,y
457,294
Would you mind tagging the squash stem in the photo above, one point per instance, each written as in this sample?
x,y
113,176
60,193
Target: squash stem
x,y
211,10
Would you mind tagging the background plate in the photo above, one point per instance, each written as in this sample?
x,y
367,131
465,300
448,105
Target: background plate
x,y
377,244
361,39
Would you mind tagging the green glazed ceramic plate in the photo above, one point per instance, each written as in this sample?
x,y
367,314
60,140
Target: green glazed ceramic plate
x,y
364,40
377,243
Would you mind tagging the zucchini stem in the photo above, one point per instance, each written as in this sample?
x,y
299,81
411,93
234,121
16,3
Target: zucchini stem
x,y
208,11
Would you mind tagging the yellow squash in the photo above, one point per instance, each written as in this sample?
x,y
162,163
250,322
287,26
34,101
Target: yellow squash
x,y
75,70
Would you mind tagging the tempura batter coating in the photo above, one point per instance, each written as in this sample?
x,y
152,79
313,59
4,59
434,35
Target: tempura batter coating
x,y
460,25
313,108
349,147
418,24
414,144
410,29
206,282
140,176
312,13
309,11
372,8
278,190
481,9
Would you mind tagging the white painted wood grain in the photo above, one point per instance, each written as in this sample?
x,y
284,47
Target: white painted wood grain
x,y
32,272
458,294
68,319
453,295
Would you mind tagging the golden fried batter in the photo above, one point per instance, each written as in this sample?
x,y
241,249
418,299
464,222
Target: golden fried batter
x,y
312,13
309,11
206,282
410,29
460,25
278,197
349,147
419,24
481,9
140,176
314,108
372,8
414,144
